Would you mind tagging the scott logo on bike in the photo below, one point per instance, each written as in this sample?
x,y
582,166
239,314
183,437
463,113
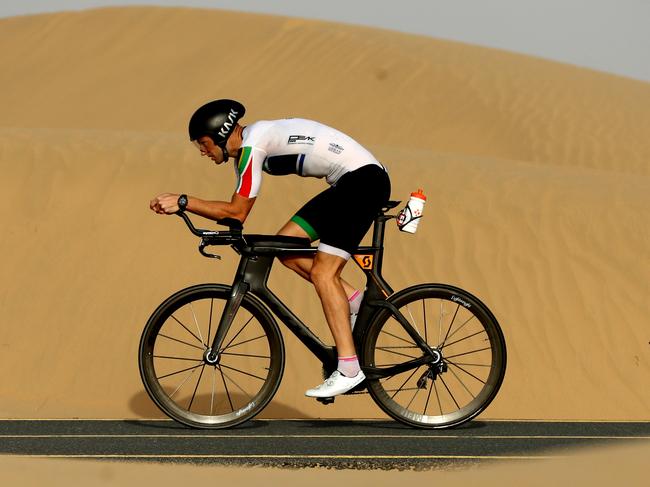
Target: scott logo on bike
x,y
365,261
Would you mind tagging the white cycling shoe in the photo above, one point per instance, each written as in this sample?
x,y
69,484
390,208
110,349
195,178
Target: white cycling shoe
x,y
336,384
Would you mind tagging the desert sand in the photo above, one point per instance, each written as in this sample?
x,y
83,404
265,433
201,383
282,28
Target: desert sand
x,y
537,175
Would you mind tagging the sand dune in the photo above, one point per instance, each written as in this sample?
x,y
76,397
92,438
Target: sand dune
x,y
537,175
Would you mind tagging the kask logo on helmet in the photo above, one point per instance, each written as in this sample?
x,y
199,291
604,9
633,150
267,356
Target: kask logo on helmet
x,y
224,131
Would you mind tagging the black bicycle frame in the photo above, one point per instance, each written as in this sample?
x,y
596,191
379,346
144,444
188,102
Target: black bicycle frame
x,y
252,276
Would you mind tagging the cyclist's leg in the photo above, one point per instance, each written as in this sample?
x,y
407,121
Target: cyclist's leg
x,y
303,265
326,276
340,232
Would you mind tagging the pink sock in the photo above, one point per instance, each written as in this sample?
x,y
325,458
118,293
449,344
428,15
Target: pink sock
x,y
355,301
349,366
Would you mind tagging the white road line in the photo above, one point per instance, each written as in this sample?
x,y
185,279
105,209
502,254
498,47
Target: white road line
x,y
359,457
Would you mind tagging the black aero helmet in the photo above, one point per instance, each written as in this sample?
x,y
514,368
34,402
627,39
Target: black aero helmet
x,y
217,120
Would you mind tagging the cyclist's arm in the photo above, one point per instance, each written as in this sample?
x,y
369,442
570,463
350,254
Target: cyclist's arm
x,y
239,207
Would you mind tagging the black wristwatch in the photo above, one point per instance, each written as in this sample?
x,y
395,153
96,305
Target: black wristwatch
x,y
182,202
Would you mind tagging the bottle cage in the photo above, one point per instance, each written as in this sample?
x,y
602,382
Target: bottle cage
x,y
405,217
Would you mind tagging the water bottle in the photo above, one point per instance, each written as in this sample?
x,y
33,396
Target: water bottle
x,y
409,217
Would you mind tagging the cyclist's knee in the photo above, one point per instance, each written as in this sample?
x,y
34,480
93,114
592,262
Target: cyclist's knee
x,y
322,274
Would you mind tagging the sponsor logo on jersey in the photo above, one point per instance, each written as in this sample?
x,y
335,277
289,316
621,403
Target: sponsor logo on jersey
x,y
337,149
301,139
225,128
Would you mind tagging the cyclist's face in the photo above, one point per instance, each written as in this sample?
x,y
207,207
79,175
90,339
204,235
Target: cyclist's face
x,y
208,148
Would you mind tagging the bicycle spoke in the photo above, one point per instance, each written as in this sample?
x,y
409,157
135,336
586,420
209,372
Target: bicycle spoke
x,y
246,355
461,326
396,353
435,387
469,365
442,312
179,358
241,343
404,383
417,390
189,407
450,326
196,322
469,336
404,389
424,313
240,330
413,322
450,394
467,353
245,373
467,372
179,372
188,330
236,385
182,383
180,341
223,378
463,384
398,337
214,384
426,404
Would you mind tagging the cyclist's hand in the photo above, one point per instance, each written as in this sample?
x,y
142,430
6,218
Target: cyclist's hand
x,y
165,204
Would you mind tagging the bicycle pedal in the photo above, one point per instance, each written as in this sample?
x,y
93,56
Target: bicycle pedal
x,y
325,400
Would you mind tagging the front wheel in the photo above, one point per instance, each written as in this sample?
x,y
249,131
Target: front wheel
x,y
179,379
467,336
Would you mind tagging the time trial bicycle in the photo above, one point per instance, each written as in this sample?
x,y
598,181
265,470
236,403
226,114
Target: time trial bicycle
x,y
212,355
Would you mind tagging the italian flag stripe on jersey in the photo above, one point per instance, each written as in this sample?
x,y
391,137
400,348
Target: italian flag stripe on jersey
x,y
245,170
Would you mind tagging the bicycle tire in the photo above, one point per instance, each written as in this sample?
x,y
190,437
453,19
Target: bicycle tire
x,y
462,390
247,382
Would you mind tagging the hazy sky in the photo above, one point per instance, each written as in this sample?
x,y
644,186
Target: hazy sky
x,y
608,35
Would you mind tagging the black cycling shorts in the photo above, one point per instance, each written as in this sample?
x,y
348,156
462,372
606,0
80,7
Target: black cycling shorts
x,y
341,215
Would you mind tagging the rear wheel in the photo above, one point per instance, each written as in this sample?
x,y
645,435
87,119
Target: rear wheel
x,y
462,329
190,390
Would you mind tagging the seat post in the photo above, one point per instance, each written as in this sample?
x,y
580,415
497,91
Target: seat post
x,y
378,230
378,240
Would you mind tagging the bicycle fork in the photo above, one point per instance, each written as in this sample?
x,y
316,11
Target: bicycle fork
x,y
212,354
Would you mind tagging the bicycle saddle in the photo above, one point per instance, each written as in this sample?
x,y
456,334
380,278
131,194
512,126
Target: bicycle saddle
x,y
390,205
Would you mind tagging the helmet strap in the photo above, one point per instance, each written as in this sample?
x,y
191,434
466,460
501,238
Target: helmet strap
x,y
226,156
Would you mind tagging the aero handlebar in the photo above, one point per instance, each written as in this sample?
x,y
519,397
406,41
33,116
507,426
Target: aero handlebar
x,y
210,237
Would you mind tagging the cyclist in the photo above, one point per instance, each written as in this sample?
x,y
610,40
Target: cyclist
x,y
339,216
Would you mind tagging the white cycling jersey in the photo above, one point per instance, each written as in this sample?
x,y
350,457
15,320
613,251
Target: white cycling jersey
x,y
296,146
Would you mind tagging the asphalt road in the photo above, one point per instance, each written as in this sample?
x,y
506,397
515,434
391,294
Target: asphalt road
x,y
304,443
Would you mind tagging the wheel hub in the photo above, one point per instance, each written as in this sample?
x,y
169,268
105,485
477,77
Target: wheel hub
x,y
437,367
211,358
